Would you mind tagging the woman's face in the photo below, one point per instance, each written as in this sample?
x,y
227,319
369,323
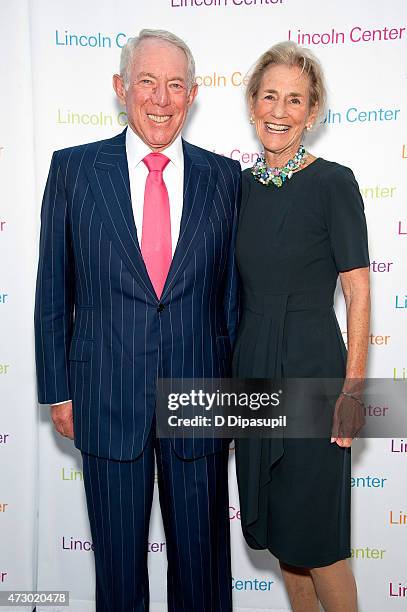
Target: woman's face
x,y
281,109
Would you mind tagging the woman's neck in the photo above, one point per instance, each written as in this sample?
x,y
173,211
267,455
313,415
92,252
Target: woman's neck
x,y
280,158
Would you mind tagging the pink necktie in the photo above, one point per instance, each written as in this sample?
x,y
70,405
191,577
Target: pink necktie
x,y
156,231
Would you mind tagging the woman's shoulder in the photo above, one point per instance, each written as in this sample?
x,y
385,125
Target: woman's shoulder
x,y
247,178
329,170
337,185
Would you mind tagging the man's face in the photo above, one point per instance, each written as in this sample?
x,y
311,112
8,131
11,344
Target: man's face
x,y
157,98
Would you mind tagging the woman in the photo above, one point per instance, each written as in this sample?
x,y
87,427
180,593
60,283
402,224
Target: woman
x,y
301,224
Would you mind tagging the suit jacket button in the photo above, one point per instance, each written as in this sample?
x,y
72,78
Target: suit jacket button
x,y
160,307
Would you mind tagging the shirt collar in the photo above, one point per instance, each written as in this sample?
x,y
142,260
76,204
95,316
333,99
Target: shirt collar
x,y
136,150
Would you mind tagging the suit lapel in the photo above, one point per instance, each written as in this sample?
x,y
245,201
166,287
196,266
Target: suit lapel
x,y
109,180
199,185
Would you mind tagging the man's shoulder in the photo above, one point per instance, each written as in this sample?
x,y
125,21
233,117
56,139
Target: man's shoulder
x,y
212,158
89,149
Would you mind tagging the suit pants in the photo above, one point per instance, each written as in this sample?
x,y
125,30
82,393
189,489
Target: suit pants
x,y
194,505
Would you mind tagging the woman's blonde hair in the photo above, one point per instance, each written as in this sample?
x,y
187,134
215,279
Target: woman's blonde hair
x,y
290,54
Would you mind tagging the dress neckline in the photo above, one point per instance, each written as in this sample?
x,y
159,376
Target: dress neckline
x,y
307,166
311,165
305,170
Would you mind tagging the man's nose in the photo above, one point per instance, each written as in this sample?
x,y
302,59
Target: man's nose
x,y
160,95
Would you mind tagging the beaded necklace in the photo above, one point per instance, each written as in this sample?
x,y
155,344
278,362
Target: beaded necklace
x,y
266,175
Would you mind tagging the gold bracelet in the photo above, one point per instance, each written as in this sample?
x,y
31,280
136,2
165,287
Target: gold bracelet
x,y
357,399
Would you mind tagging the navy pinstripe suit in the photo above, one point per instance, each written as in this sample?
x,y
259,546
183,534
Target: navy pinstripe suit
x,y
103,338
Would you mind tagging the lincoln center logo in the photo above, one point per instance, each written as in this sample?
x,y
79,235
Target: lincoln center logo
x,y
357,34
398,518
398,446
71,474
367,553
401,302
397,589
218,3
368,482
156,547
91,40
93,119
252,584
378,192
381,266
402,228
69,543
244,157
359,115
374,339
234,514
399,373
214,79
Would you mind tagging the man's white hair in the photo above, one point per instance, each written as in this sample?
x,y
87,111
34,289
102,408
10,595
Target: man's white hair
x,y
127,55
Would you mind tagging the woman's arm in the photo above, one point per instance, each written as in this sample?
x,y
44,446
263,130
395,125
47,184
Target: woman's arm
x,y
356,291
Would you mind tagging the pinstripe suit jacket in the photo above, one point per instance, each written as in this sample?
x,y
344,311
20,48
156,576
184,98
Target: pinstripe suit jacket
x,y
102,336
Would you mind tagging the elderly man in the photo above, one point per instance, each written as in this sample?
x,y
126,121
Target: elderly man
x,y
137,281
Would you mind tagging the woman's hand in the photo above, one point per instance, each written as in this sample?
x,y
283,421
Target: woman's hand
x,y
349,415
348,419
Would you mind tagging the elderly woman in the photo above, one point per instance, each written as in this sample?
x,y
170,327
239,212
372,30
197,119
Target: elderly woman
x,y
301,224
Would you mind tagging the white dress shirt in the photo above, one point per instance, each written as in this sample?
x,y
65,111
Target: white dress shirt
x,y
173,176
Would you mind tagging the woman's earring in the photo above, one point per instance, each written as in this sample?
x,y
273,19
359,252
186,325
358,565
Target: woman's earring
x,y
308,127
251,120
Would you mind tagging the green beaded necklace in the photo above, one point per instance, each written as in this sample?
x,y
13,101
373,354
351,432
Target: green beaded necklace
x,y
277,176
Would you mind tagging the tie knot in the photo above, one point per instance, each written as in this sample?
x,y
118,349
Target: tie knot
x,y
156,162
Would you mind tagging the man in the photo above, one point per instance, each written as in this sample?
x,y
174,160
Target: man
x,y
137,281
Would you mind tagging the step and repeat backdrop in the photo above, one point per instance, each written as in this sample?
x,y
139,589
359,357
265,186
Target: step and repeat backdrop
x,y
57,61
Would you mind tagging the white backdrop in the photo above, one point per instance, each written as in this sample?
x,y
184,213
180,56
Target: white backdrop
x,y
18,220
57,60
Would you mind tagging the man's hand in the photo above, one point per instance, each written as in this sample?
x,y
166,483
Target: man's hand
x,y
62,416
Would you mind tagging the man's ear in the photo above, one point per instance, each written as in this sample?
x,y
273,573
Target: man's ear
x,y
118,86
192,94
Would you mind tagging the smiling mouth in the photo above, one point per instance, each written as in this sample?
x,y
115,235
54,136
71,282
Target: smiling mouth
x,y
275,127
159,118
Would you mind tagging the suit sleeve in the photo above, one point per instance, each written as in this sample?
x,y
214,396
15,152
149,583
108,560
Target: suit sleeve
x,y
232,287
54,299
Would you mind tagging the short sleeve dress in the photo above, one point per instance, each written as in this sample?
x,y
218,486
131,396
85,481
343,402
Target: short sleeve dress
x,y
291,244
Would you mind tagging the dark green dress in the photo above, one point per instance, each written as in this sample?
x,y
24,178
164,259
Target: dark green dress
x,y
292,242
